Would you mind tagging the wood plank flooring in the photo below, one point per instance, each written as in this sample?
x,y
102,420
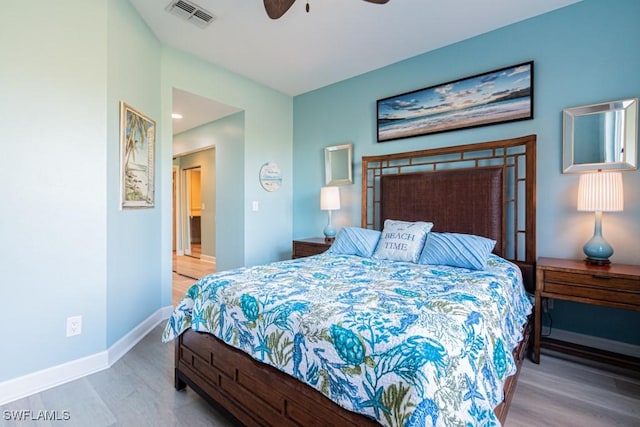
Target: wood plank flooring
x,y
186,270
138,391
561,392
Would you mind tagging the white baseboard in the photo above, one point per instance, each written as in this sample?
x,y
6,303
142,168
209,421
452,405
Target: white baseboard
x,y
207,258
126,343
596,342
36,382
26,385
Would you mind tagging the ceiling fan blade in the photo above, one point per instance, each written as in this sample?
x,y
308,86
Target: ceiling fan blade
x,y
377,1
276,8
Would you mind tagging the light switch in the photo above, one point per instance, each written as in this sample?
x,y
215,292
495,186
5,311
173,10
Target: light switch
x,y
254,206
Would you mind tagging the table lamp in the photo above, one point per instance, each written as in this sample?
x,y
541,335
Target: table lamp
x,y
329,201
599,192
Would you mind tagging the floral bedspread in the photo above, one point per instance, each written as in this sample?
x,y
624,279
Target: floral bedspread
x,y
406,344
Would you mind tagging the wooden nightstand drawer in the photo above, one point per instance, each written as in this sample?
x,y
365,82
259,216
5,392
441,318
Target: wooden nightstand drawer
x,y
592,293
597,280
309,247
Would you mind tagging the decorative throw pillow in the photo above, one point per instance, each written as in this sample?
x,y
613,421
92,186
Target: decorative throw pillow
x,y
355,241
402,240
457,250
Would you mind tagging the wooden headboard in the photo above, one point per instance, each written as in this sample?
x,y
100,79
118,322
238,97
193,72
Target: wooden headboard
x,y
487,189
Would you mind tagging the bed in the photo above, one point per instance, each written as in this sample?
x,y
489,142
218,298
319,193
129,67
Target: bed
x,y
273,354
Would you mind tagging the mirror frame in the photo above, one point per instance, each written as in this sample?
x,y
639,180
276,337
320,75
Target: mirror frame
x,y
569,115
329,159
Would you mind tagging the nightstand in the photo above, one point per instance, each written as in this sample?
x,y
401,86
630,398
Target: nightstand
x,y
616,285
308,247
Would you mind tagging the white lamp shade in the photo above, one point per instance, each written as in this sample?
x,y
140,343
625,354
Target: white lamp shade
x,y
329,198
600,192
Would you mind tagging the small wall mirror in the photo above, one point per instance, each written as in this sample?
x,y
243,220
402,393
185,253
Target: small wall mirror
x,y
337,164
600,136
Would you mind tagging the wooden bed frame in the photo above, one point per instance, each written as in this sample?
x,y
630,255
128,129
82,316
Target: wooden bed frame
x,y
257,394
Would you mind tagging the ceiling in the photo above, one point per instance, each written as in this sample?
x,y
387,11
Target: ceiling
x,y
196,110
336,40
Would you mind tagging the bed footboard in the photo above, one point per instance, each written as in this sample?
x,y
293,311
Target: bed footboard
x,y
257,394
254,393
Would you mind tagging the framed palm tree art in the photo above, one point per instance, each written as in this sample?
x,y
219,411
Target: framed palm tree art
x,y
137,157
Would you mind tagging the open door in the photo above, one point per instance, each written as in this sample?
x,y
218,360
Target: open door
x,y
194,212
174,219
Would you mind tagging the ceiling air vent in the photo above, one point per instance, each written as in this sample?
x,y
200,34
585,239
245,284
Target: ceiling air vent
x,y
190,12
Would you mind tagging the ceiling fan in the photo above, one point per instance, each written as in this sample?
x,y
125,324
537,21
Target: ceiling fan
x,y
276,8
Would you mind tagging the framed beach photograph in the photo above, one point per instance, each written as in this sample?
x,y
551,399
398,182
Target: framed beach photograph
x,y
137,148
499,96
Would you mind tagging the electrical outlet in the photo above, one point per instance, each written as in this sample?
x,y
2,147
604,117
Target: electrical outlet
x,y
74,325
550,304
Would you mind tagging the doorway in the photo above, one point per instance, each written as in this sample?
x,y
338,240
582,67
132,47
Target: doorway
x,y
205,124
195,214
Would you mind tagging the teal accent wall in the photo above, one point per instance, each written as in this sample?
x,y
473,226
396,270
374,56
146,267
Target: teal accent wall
x,y
584,53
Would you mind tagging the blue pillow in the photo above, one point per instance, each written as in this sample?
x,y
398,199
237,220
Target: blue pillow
x,y
355,241
402,240
457,250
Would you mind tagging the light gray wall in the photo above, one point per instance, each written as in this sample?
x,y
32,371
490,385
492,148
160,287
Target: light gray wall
x,y
66,248
133,245
53,180
254,237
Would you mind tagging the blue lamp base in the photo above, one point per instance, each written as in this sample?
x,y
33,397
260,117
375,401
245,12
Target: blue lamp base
x,y
329,230
597,249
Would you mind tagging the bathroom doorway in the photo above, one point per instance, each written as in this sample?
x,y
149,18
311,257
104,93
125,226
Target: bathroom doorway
x,y
195,213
